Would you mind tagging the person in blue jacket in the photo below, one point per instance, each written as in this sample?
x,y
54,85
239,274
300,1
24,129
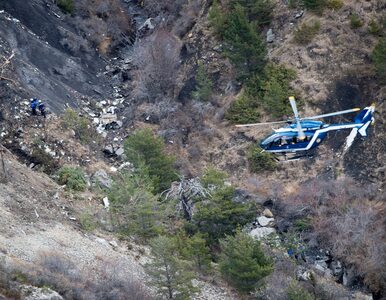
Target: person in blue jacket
x,y
34,105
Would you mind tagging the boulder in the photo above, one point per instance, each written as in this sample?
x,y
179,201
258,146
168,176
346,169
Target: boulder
x,y
119,151
35,293
267,213
270,36
261,232
101,178
264,221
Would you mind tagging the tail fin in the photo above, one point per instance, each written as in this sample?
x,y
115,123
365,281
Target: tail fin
x,y
363,130
365,115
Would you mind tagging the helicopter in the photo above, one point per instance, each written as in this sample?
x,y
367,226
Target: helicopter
x,y
303,134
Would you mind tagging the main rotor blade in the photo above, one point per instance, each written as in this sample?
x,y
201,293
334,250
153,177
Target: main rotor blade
x,y
258,124
301,134
331,114
293,105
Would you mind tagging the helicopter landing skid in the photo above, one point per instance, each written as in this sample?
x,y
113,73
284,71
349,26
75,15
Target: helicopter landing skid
x,y
285,156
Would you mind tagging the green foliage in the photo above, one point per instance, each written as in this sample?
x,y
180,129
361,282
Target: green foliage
x,y
66,6
304,34
334,4
260,160
72,177
355,21
204,87
213,177
244,110
296,292
377,28
81,126
275,89
267,92
217,18
259,12
195,249
221,215
87,222
379,59
316,6
143,149
169,273
243,45
243,262
303,224
134,208
293,3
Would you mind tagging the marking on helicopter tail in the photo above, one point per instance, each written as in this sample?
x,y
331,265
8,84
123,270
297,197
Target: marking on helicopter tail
x,y
350,139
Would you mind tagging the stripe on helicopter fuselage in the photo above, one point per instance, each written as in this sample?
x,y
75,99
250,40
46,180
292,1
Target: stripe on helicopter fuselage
x,y
316,134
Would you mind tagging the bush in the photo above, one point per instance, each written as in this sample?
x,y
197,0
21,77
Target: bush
x,y
376,28
213,177
87,222
316,6
260,160
305,33
221,215
157,59
296,292
72,177
379,59
135,210
204,85
145,150
80,125
66,6
355,21
244,110
242,262
334,4
274,90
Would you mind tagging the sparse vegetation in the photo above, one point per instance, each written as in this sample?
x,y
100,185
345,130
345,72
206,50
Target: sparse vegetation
x,y
135,210
66,5
170,274
334,4
204,84
260,160
296,292
242,262
72,177
80,125
316,6
355,21
379,58
305,33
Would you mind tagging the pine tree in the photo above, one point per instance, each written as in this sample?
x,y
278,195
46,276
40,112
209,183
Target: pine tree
x,y
144,149
243,262
204,87
134,208
194,249
170,274
221,215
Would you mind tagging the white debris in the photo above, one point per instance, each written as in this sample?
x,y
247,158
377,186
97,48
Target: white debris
x,y
106,202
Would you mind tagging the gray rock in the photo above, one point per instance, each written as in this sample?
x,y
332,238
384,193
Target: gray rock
x,y
119,151
108,150
101,178
267,213
264,221
336,268
36,293
261,232
270,36
299,14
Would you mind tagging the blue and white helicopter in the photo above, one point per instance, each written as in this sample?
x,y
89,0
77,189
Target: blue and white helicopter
x,y
304,134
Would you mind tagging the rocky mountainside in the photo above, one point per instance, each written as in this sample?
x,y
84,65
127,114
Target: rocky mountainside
x,y
107,69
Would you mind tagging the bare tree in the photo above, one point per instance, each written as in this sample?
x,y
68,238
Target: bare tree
x,y
157,60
